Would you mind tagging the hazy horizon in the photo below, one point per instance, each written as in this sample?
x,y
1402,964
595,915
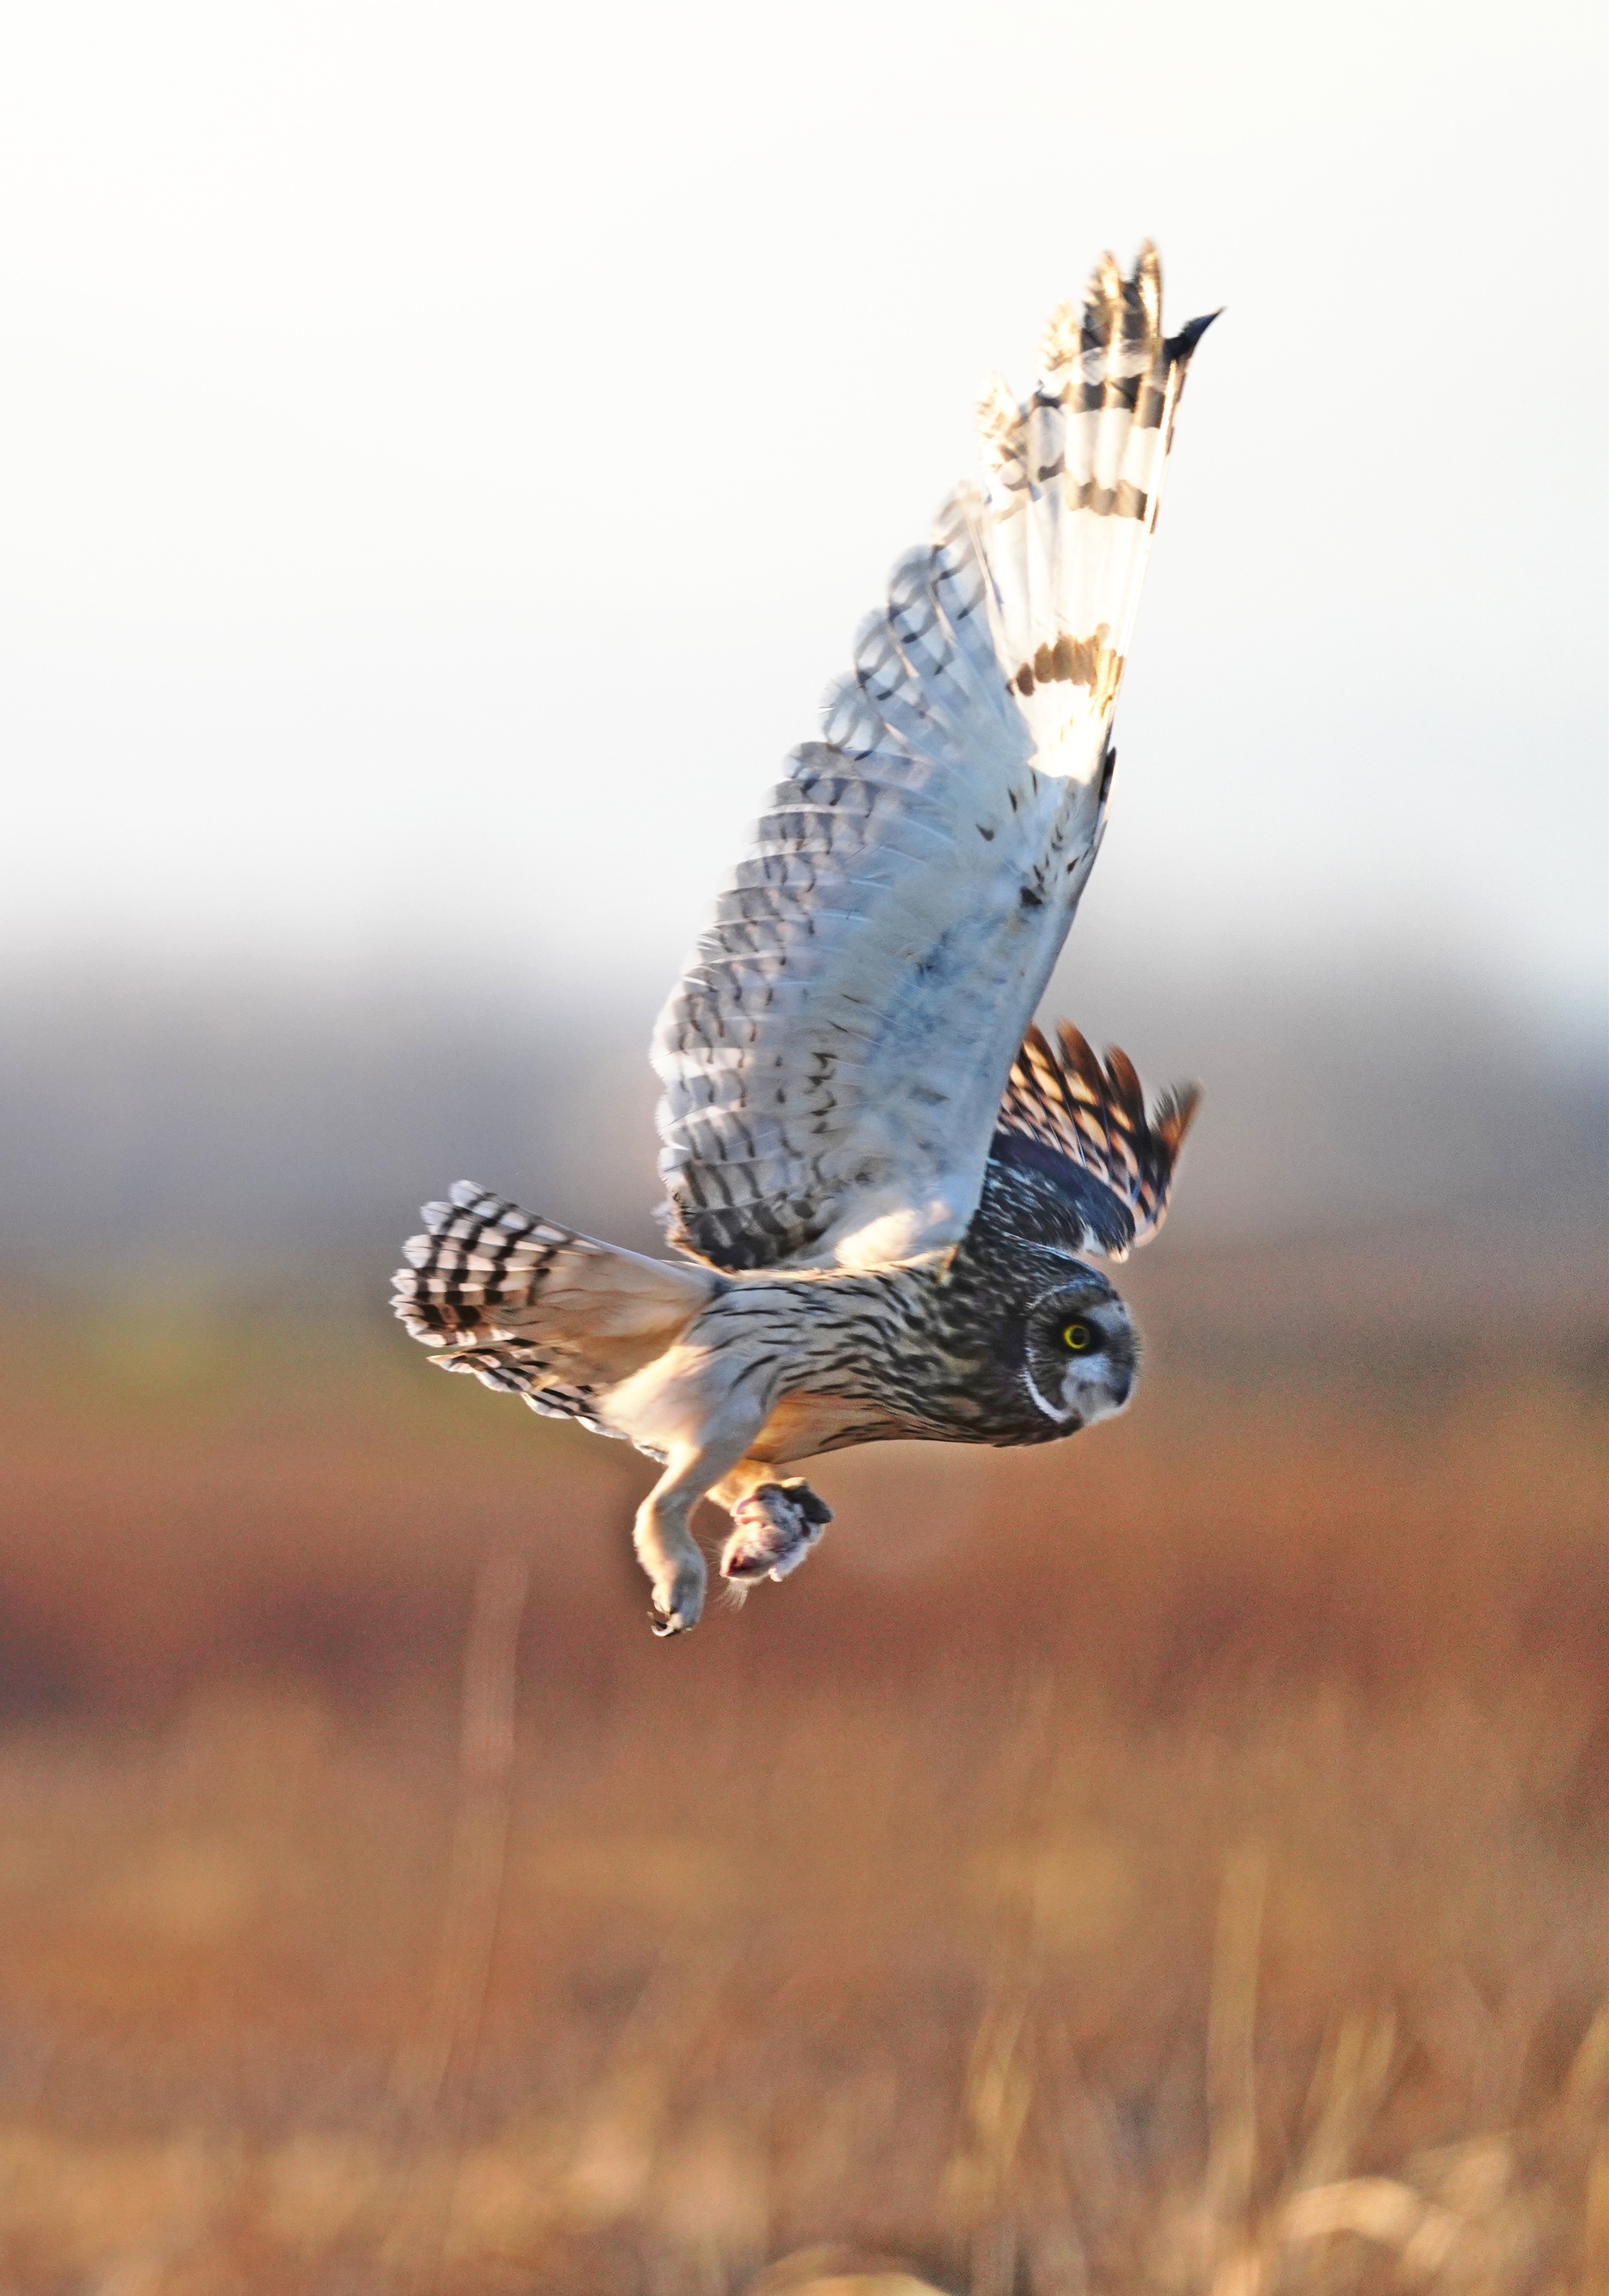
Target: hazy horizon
x,y
149,1118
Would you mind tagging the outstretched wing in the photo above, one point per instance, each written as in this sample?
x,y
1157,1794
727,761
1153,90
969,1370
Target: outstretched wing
x,y
834,1055
1085,1126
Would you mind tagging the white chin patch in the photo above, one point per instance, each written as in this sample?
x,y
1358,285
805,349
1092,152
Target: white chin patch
x,y
1097,1401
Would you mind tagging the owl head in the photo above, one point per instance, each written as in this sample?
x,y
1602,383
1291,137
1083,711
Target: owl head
x,y
1080,1352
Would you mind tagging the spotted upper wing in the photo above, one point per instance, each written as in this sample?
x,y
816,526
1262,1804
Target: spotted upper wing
x,y
834,1055
1083,1125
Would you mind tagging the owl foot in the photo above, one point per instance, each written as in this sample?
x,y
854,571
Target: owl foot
x,y
677,1602
773,1529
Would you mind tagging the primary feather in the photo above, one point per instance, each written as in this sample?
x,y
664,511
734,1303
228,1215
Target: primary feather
x,y
1082,1125
834,1055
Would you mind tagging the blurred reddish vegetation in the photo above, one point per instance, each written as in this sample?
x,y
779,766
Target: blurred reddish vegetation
x,y
1178,1860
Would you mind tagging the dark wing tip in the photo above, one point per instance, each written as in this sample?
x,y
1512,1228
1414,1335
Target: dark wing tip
x,y
1179,350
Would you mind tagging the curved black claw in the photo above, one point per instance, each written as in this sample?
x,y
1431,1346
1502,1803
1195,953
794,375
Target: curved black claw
x,y
663,1626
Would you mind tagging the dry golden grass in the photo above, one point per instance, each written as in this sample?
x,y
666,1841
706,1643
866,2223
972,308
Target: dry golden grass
x,y
1180,1863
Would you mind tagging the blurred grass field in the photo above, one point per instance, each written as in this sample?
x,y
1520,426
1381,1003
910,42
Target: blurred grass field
x,y
1175,1861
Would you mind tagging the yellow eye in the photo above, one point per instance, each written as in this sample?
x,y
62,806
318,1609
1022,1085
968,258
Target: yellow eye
x,y
1076,1337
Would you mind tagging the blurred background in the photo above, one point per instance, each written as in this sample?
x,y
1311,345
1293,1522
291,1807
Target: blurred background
x,y
443,456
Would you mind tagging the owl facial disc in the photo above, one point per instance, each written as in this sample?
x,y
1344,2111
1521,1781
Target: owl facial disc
x,y
1080,1352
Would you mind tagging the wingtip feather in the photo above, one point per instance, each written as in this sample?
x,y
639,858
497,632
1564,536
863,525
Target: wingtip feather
x,y
1093,1112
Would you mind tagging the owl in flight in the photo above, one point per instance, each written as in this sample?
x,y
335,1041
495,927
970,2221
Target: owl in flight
x,y
884,1181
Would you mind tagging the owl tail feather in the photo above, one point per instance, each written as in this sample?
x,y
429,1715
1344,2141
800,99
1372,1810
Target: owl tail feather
x,y
508,1292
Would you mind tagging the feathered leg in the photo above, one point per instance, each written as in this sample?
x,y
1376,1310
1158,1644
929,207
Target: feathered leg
x,y
665,1545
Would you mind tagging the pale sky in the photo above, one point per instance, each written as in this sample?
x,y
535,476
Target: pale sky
x,y
444,453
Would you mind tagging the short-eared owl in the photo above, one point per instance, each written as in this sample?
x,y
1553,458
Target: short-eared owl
x,y
884,1182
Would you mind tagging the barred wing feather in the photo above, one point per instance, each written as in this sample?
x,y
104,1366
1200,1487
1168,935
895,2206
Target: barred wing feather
x,y
1072,1116
836,1053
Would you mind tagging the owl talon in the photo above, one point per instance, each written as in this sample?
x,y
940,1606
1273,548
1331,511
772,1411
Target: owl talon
x,y
774,1529
676,1603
